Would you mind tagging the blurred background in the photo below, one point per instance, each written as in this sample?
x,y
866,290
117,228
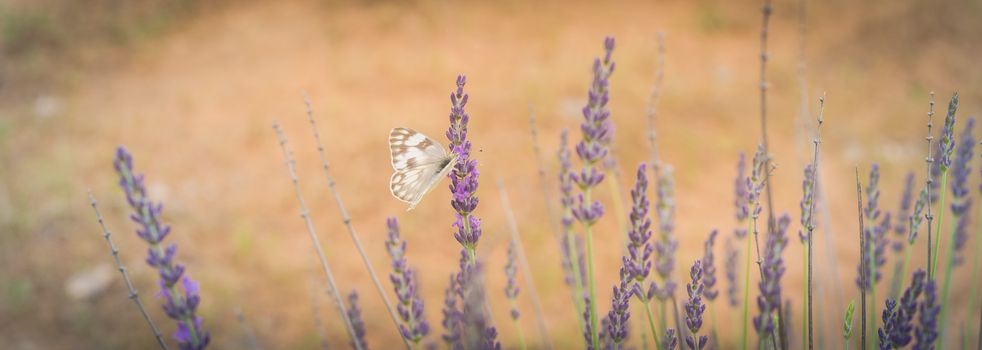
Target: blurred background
x,y
191,88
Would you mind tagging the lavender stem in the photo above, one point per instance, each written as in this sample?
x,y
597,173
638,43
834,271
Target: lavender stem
x,y
347,219
133,294
305,214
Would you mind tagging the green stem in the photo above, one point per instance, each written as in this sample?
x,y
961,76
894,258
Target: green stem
x,y
716,345
651,323
574,260
941,210
594,336
947,282
974,289
804,313
518,328
871,275
746,289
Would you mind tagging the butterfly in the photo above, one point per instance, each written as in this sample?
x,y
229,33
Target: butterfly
x,y
419,163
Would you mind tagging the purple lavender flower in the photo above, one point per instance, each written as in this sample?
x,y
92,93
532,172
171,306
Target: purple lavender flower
x,y
637,262
597,130
478,333
806,201
670,341
177,288
619,315
961,237
410,307
897,318
936,175
927,331
463,177
903,214
587,326
694,308
354,314
709,269
511,289
961,202
742,211
755,182
773,269
733,286
876,240
917,217
452,315
666,244
948,135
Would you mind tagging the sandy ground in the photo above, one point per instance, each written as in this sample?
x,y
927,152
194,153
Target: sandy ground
x,y
195,108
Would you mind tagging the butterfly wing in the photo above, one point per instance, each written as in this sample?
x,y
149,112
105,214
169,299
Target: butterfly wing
x,y
419,163
410,148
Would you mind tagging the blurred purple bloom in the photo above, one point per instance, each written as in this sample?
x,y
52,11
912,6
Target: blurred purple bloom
x,y
179,306
808,196
961,237
709,268
876,239
587,330
666,244
961,202
927,331
511,289
410,307
357,323
773,269
916,219
733,287
903,214
742,211
948,135
755,182
897,318
477,332
463,177
451,315
671,340
694,308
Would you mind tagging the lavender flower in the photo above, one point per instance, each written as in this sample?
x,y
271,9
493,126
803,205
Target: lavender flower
x,y
588,327
566,221
961,237
637,262
452,315
961,202
948,135
619,315
733,286
755,182
597,130
927,331
670,341
410,307
773,269
917,217
477,331
709,269
511,289
806,201
463,176
178,289
354,314
666,243
694,308
876,240
936,175
903,214
742,211
897,326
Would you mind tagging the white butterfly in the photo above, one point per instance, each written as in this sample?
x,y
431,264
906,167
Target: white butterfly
x,y
419,163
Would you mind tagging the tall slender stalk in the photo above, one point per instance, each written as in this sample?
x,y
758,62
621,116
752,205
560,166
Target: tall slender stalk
x,y
523,262
929,160
347,221
973,298
541,167
862,256
594,329
305,214
810,226
941,210
133,294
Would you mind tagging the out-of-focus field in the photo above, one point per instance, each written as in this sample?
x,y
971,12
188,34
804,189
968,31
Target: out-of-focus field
x,y
192,91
